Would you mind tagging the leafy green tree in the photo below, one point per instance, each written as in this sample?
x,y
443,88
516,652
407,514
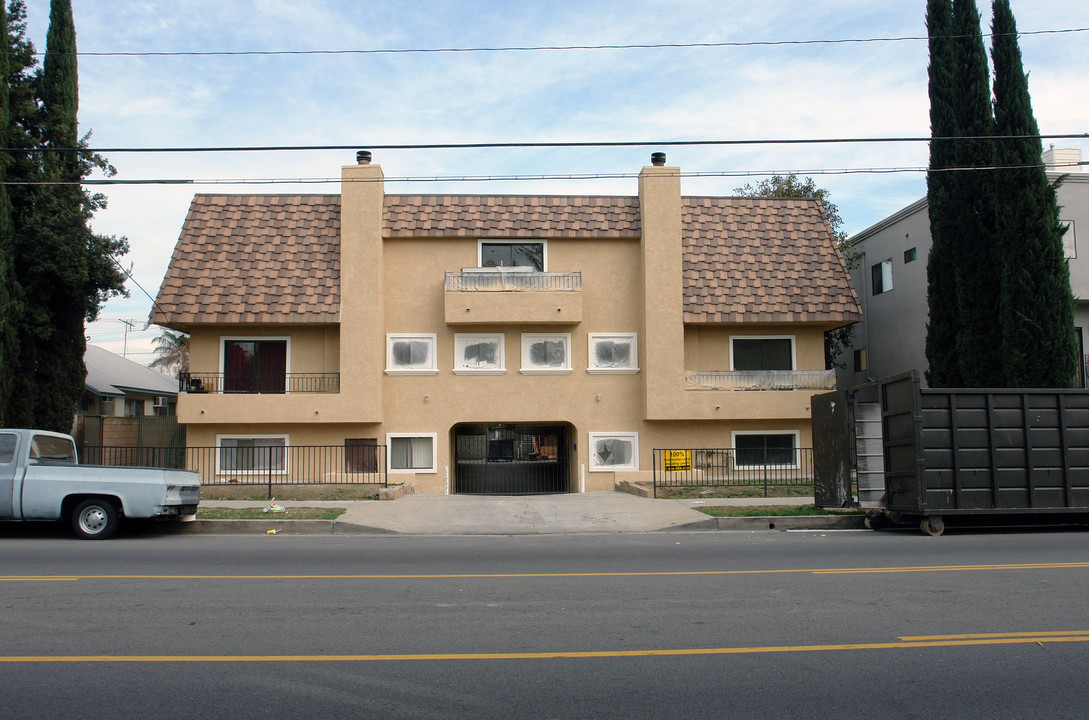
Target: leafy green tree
x,y
790,186
943,323
1036,305
171,352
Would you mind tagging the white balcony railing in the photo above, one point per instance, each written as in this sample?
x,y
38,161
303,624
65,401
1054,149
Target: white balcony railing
x,y
761,379
512,280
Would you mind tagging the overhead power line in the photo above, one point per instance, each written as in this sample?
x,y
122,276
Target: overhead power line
x,y
544,176
533,145
540,48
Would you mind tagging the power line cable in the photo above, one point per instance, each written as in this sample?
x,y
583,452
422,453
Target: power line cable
x,y
546,48
541,177
541,144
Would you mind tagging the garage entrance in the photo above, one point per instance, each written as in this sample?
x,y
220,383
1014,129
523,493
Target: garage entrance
x,y
511,459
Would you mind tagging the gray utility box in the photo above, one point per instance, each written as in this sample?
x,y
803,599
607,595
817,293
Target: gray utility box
x,y
970,451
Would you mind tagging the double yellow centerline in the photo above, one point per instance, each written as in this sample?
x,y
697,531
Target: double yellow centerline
x,y
922,641
489,576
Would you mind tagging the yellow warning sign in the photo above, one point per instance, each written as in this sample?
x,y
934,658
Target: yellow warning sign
x,y
677,460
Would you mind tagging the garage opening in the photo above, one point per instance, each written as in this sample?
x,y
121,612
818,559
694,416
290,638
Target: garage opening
x,y
511,459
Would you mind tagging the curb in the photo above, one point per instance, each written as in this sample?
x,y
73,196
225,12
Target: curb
x,y
781,523
339,527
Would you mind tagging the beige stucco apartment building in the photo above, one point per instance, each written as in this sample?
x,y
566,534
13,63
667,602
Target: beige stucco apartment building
x,y
497,343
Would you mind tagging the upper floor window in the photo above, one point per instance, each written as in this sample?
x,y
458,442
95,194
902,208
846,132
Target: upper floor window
x,y
545,354
254,366
410,354
881,276
480,354
910,255
762,353
513,254
1070,242
612,353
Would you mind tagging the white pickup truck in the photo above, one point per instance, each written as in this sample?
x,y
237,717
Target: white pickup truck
x,y
40,479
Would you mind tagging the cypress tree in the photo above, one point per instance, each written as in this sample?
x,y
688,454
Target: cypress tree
x,y
8,292
971,205
60,373
1036,305
942,325
23,131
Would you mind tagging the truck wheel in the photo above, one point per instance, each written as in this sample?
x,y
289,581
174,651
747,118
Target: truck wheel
x,y
95,519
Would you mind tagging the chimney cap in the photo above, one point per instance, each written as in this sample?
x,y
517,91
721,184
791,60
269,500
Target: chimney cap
x,y
363,157
658,159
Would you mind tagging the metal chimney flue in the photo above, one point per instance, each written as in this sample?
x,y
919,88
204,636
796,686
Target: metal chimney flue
x,y
657,159
363,157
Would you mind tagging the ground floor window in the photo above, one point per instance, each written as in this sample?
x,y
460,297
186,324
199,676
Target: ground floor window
x,y
252,454
411,452
756,449
361,455
614,451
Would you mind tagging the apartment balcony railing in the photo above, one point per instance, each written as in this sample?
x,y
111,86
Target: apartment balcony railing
x,y
510,280
250,383
761,379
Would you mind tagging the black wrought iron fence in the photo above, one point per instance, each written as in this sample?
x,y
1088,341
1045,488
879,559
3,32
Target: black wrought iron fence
x,y
259,383
730,467
257,464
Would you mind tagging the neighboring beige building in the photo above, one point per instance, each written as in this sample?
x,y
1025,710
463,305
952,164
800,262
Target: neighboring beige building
x,y
498,343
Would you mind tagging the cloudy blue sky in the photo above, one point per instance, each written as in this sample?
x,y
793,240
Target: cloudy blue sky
x,y
874,89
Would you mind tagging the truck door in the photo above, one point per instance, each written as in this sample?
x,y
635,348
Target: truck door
x,y
8,444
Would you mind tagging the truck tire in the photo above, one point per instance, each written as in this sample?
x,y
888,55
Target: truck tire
x,y
95,519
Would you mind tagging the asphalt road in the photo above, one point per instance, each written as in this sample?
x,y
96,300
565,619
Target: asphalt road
x,y
664,625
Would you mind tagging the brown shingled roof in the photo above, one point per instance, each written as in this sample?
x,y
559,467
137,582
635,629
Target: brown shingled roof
x,y
762,260
510,216
254,259
276,259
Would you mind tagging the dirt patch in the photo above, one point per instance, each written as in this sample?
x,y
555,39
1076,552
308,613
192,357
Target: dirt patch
x,y
290,492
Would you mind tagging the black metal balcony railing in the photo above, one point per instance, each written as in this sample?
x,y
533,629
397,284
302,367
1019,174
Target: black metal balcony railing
x,y
497,280
257,383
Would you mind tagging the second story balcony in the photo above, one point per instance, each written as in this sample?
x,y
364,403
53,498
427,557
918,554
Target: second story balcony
x,y
761,379
513,295
259,383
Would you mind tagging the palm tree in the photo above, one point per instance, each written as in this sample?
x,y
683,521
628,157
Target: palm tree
x,y
172,353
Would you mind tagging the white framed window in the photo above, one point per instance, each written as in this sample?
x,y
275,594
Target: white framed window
x,y
757,448
513,253
546,354
251,454
614,451
612,353
479,354
410,452
411,354
762,352
881,277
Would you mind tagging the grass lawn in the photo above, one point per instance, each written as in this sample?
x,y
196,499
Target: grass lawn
x,y
695,492
770,511
293,513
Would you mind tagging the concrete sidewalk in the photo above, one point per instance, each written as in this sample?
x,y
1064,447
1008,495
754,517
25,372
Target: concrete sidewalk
x,y
594,512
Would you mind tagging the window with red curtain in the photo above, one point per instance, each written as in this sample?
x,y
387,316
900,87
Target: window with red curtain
x,y
255,366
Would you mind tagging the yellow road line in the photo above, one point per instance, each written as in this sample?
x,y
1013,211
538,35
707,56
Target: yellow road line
x,y
937,641
497,576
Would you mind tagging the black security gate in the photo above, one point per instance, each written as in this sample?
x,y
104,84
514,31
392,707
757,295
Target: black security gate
x,y
511,459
